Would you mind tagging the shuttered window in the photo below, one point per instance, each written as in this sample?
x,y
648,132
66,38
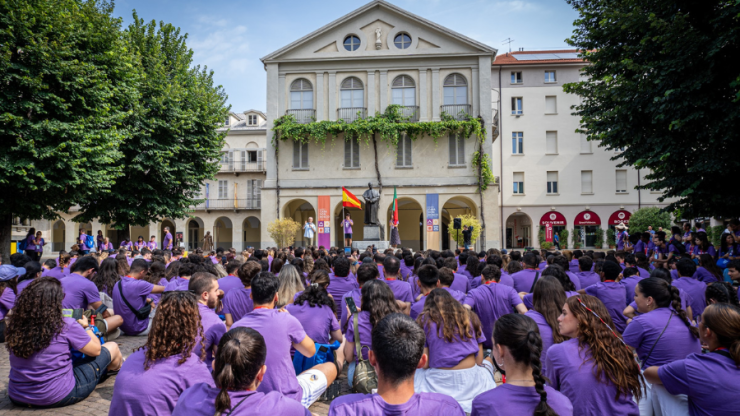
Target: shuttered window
x,y
403,152
518,182
223,189
552,182
403,91
300,155
351,152
353,93
551,104
457,150
585,144
621,181
587,179
551,142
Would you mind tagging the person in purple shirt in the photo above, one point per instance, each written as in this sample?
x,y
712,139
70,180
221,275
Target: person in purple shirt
x,y
9,275
446,278
347,224
611,293
519,344
594,369
81,293
686,270
461,283
548,299
398,350
140,243
407,267
497,261
130,295
33,271
42,373
524,280
127,244
182,281
703,246
454,347
585,276
99,239
62,270
472,267
238,371
401,290
341,282
630,277
231,281
167,242
378,259
492,300
282,331
717,394
152,244
239,302
622,237
427,279
152,378
557,272
205,287
707,271
562,261
365,274
106,245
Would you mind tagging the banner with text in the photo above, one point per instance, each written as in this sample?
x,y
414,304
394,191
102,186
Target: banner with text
x,y
433,222
324,219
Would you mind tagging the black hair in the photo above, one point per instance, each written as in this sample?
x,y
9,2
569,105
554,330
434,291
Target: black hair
x,y
473,266
248,270
557,272
233,266
529,260
611,270
585,263
446,276
366,273
398,344
50,263
561,261
264,287
721,292
463,257
315,293
686,268
495,260
630,271
341,267
491,272
32,269
666,295
707,262
85,263
240,356
201,282
428,275
391,265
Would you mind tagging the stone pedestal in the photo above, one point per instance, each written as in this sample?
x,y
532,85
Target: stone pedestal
x,y
371,233
362,245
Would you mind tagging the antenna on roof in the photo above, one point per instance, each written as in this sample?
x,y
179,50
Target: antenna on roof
x,y
508,40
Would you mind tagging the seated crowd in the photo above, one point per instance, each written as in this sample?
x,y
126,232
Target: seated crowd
x,y
650,329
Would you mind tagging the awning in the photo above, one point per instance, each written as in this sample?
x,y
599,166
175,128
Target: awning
x,y
553,218
587,218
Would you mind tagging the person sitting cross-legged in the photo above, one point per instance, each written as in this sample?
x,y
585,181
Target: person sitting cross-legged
x,y
397,351
131,295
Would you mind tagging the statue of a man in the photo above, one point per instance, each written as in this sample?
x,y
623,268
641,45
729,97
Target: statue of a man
x,y
372,197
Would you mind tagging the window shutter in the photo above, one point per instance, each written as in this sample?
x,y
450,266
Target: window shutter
x,y
259,155
551,105
407,151
460,150
400,148
355,152
304,155
585,144
347,152
453,150
551,138
552,176
296,154
250,189
258,187
586,181
621,181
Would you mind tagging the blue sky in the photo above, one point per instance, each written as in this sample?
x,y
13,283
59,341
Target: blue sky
x,y
231,36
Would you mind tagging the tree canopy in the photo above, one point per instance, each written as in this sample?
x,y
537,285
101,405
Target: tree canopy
x,y
662,91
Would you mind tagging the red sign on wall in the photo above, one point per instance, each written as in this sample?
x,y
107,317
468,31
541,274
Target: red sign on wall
x,y
587,218
620,217
548,232
553,218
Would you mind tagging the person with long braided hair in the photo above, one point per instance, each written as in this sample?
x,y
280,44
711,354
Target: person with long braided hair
x,y
661,334
721,292
153,377
594,369
239,369
518,342
709,380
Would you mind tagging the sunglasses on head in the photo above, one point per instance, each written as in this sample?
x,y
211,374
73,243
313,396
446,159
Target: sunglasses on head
x,y
603,322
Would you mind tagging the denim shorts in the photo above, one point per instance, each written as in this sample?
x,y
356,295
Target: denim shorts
x,y
88,373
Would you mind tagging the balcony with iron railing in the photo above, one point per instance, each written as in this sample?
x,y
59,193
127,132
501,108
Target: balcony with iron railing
x,y
410,112
460,112
303,116
229,204
238,166
350,114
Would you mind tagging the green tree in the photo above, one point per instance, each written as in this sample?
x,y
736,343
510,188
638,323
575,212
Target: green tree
x,y
457,235
68,85
662,92
283,231
174,145
651,216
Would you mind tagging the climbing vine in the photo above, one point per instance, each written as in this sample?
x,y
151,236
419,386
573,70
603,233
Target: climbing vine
x,y
486,171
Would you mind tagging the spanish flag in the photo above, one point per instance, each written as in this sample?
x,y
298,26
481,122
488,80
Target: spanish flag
x,y
350,200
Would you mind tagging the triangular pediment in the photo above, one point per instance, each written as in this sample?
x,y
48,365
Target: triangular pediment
x,y
374,27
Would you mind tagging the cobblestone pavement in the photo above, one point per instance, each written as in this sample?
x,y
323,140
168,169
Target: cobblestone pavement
x,y
98,402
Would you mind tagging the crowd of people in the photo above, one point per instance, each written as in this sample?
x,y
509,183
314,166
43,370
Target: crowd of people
x,y
649,329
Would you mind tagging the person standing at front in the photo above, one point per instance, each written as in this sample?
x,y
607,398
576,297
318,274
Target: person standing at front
x,y
347,224
167,243
309,231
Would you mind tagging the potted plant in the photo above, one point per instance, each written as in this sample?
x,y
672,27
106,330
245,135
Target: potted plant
x,y
541,236
611,238
576,238
546,245
563,239
599,240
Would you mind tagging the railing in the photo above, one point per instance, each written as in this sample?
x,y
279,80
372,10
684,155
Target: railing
x,y
459,112
303,116
350,114
226,204
242,166
410,112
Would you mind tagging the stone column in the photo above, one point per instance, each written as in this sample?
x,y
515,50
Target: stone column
x,y
476,94
435,95
237,233
383,90
423,100
332,96
319,97
371,93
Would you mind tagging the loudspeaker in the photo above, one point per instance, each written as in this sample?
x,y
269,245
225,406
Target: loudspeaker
x,y
457,224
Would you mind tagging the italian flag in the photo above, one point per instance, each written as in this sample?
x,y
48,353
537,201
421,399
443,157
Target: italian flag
x,y
395,206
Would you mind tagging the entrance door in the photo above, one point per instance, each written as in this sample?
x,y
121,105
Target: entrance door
x,y
525,235
509,234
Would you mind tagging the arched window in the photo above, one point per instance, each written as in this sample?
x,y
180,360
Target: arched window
x,y
455,90
301,95
353,93
404,91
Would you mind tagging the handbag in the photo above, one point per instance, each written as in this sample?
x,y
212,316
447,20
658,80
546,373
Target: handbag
x,y
142,313
365,379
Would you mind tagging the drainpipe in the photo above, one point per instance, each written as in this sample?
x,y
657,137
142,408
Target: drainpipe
x,y
639,196
501,160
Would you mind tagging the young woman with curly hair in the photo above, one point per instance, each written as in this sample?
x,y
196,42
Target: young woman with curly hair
x,y
157,271
123,264
594,369
39,339
377,302
454,345
661,334
153,377
717,292
105,280
519,345
238,372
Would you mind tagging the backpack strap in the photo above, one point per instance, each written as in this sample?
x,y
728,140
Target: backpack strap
x,y
358,347
120,290
661,334
536,277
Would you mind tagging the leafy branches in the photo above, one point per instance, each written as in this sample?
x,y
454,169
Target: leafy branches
x,y
486,171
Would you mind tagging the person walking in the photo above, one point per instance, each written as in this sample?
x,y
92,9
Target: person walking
x,y
309,231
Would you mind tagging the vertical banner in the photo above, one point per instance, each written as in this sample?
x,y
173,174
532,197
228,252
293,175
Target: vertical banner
x,y
324,222
433,223
548,232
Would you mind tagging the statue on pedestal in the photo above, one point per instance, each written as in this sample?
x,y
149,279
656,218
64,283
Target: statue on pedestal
x,y
372,198
378,42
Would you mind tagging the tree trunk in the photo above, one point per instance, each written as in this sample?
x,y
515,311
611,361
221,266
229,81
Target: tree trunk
x,y
6,229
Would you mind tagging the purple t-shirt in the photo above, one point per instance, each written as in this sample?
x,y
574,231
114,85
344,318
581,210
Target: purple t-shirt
x,y
427,404
417,307
78,292
704,275
570,370
338,286
588,278
200,400
491,301
7,301
573,264
46,376
456,294
401,290
22,285
622,237
505,279
545,334
696,290
523,280
629,286
613,296
281,330
528,299
58,272
363,321
347,224
443,354
140,244
461,283
355,294
575,279
167,243
676,343
213,329
318,322
155,391
136,292
711,251
229,282
127,245
178,283
508,399
682,377
151,245
685,301
381,271
238,303
415,289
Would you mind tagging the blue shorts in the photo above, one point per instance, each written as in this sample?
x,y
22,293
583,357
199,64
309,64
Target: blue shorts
x,y
88,374
347,235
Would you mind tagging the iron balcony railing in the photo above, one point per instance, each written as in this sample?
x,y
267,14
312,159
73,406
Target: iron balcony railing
x,y
410,112
350,114
242,166
459,112
229,204
303,116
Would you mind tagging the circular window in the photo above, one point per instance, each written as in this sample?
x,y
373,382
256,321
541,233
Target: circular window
x,y
402,41
351,43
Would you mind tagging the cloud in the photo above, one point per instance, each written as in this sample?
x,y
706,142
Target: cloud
x,y
514,6
220,45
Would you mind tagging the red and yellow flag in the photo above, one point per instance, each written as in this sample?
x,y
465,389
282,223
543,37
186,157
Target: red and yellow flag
x,y
350,200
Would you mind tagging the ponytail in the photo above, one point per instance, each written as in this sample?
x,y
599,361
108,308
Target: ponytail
x,y
676,305
666,295
240,356
724,320
224,379
534,345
